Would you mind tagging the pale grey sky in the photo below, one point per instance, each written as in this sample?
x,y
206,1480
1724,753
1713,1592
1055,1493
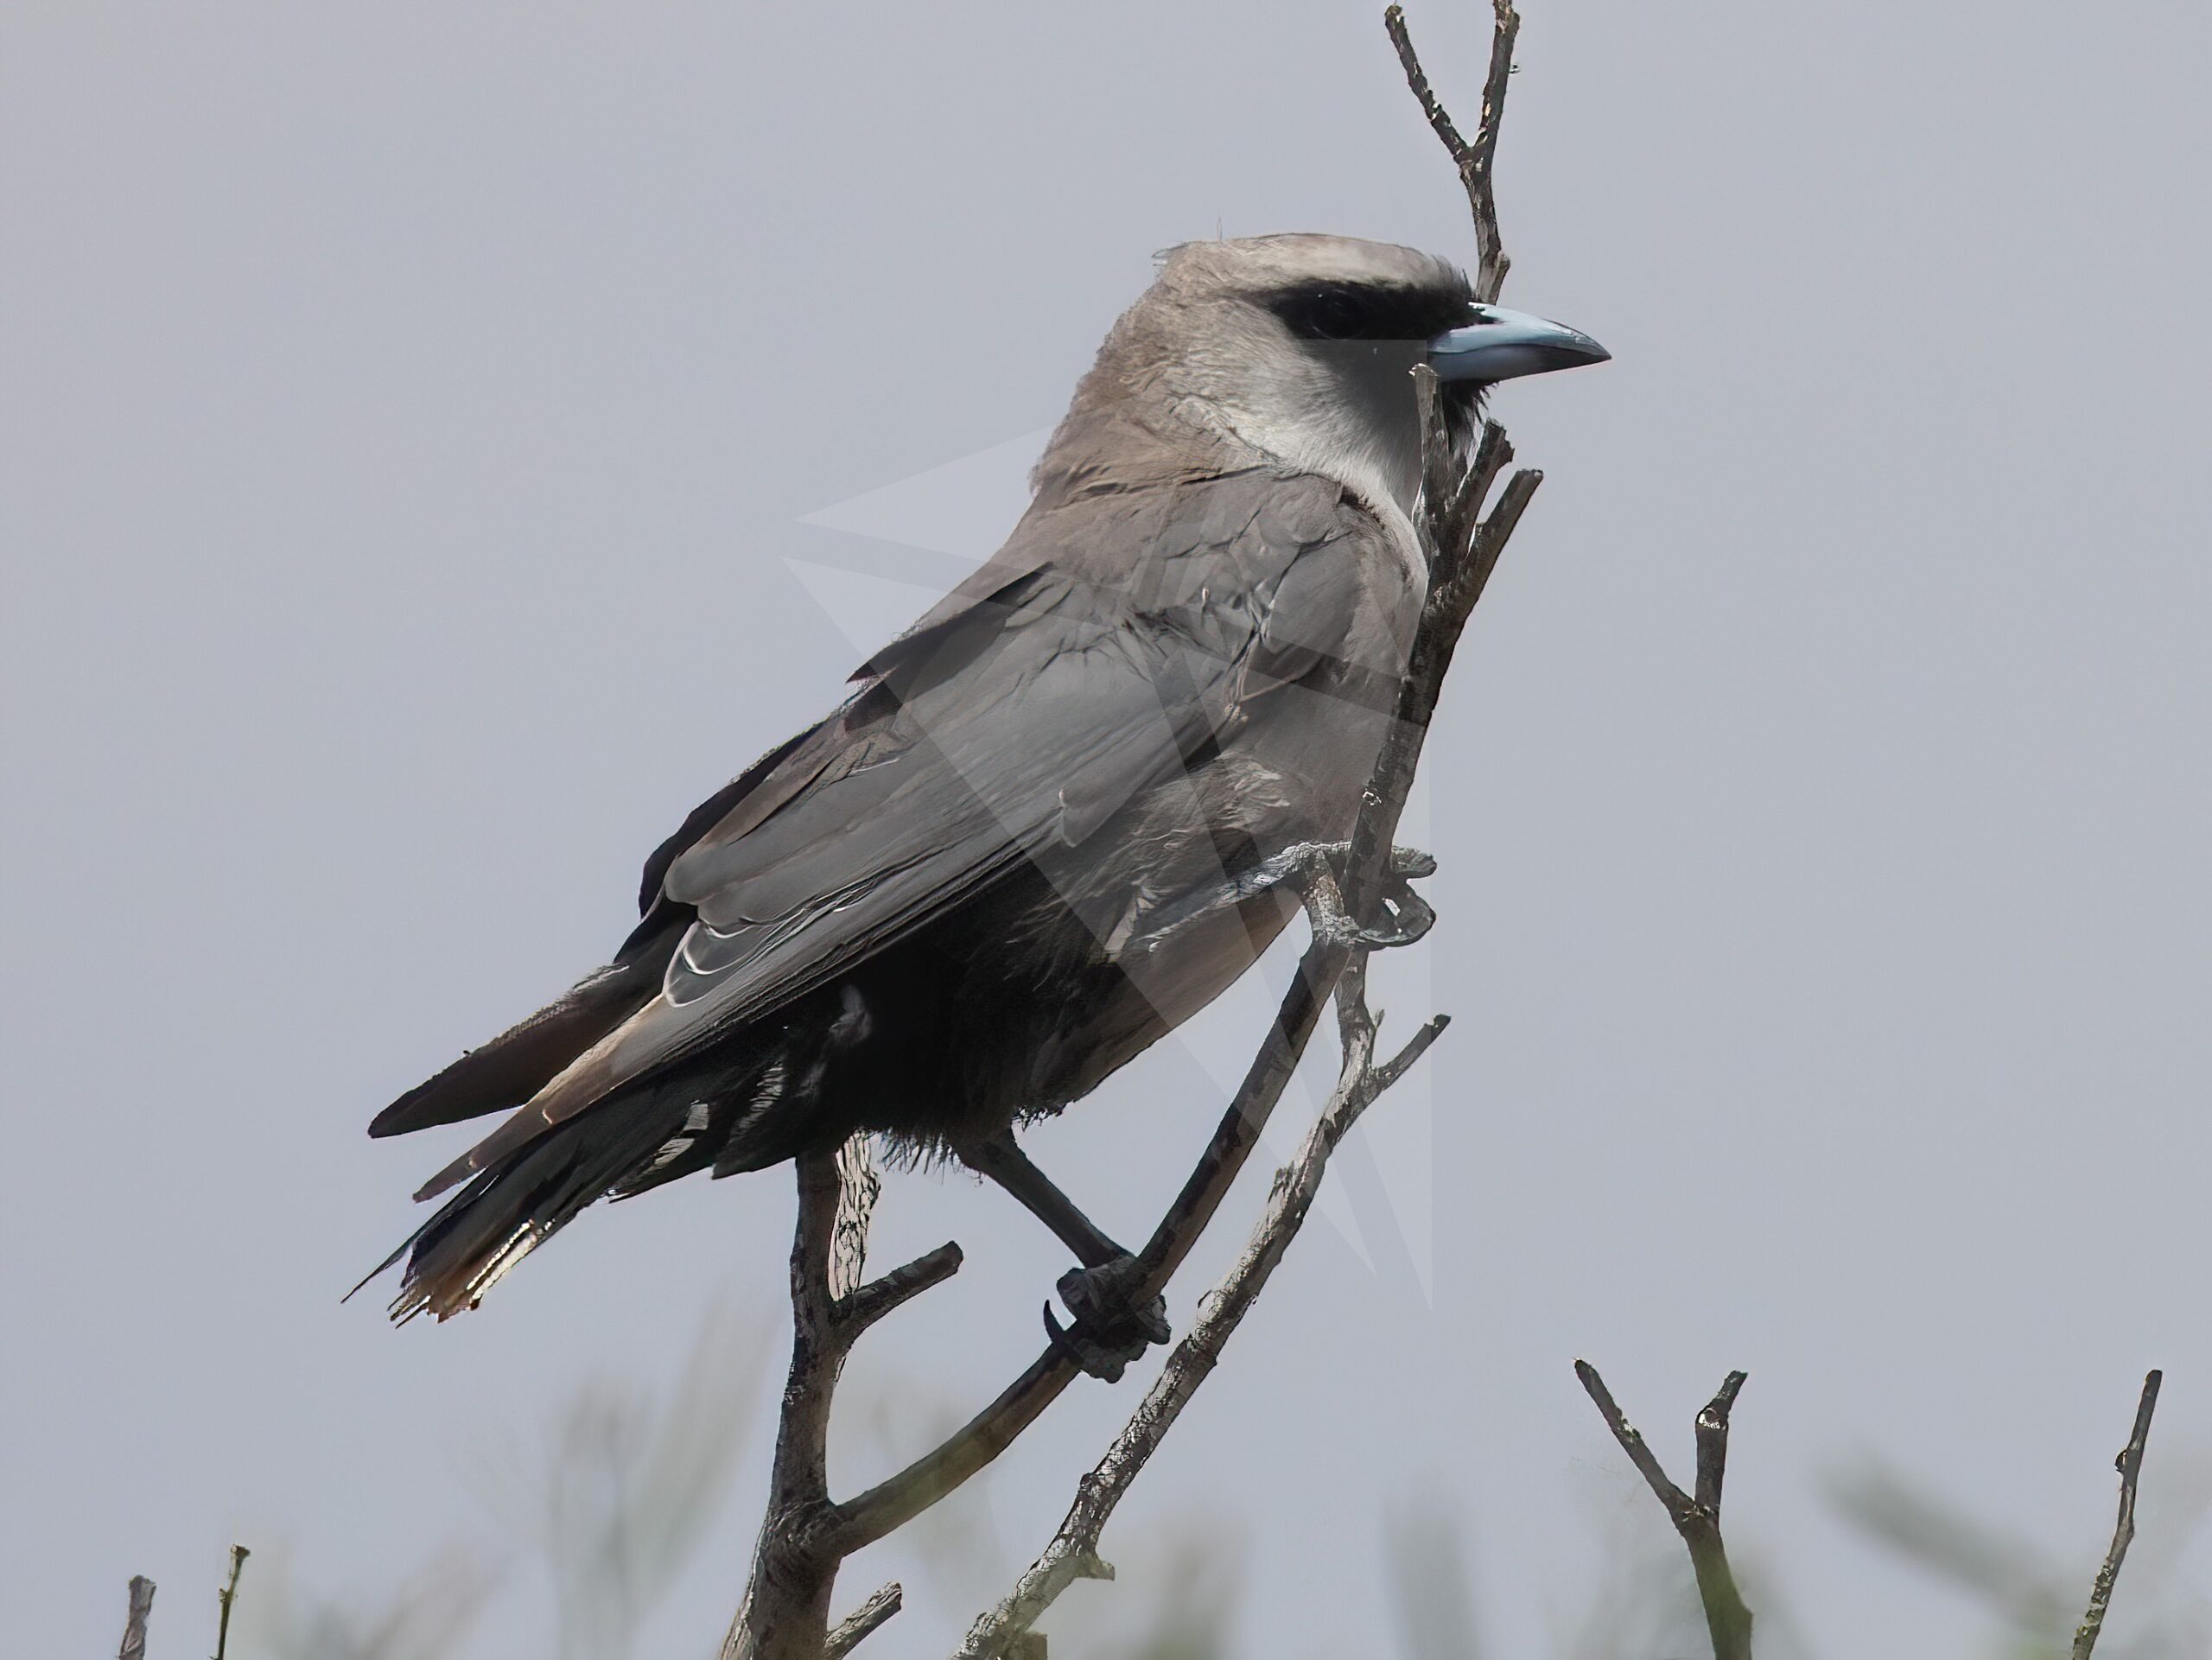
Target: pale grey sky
x,y
410,420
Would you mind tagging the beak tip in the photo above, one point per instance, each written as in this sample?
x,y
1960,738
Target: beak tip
x,y
1505,344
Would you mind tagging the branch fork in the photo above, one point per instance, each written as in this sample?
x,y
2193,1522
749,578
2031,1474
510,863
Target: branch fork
x,y
1697,1518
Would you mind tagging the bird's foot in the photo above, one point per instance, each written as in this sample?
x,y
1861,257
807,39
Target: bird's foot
x,y
1406,917
1111,1329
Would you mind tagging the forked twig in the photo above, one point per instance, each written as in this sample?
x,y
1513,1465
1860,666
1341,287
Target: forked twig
x,y
1475,161
1696,1518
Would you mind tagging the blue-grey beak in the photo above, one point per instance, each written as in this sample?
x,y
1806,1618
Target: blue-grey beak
x,y
1501,344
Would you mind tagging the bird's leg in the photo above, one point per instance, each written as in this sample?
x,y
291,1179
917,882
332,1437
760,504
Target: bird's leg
x,y
1109,1329
1407,917
1007,1165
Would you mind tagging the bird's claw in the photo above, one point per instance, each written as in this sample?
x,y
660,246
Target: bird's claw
x,y
1110,1331
1407,916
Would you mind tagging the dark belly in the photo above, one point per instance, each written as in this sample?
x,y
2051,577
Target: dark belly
x,y
1007,1011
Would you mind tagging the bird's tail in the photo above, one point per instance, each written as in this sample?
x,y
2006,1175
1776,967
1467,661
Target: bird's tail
x,y
625,1145
508,1212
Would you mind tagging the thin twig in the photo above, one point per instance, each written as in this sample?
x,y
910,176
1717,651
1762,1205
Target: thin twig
x,y
225,1597
863,1307
1698,1520
1712,1444
2130,1466
133,1625
848,1633
1474,161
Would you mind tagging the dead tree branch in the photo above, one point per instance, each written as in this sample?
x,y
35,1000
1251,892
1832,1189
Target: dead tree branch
x,y
2130,1466
1696,1518
785,1613
862,1620
1474,161
133,1625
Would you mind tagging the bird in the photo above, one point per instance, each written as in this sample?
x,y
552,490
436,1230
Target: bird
x,y
1053,819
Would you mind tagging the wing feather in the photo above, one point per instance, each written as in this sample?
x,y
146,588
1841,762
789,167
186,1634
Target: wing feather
x,y
1111,644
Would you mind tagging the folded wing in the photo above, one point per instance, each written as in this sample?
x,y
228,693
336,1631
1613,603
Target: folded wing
x,y
1113,643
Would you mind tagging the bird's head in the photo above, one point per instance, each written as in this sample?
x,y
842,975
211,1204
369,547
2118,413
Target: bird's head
x,y
1301,347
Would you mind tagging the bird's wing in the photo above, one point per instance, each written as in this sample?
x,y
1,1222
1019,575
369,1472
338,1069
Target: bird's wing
x,y
1027,714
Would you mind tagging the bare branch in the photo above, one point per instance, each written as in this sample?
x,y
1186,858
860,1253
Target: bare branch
x,y
850,1632
225,1597
1713,1443
1698,1520
133,1625
1492,455
785,1613
1678,1503
1474,161
863,1307
2130,1466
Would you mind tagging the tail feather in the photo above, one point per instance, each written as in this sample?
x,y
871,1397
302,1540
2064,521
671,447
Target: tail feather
x,y
523,1059
620,1147
509,1211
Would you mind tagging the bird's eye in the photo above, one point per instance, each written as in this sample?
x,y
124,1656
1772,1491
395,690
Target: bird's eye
x,y
1333,314
1351,311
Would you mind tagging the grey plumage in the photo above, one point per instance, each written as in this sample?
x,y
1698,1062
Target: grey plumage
x,y
929,915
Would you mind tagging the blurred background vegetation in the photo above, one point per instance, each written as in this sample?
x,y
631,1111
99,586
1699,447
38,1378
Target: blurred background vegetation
x,y
597,1515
